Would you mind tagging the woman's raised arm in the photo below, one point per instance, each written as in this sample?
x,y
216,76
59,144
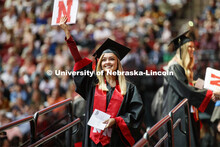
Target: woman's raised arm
x,y
70,42
64,26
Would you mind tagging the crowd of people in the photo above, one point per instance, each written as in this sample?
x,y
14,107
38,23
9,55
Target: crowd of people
x,y
30,47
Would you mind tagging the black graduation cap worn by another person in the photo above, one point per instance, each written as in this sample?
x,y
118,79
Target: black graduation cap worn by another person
x,y
180,40
110,46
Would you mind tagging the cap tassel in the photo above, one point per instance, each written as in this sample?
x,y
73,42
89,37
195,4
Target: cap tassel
x,y
96,61
179,41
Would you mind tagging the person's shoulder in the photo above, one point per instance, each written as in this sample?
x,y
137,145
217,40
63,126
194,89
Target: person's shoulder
x,y
176,67
178,72
130,85
174,64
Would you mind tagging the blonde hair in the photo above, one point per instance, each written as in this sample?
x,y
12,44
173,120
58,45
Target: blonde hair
x,y
101,78
185,61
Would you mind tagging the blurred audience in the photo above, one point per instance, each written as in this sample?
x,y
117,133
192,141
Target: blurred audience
x,y
30,47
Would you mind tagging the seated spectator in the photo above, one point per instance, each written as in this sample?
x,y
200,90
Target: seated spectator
x,y
55,98
18,92
28,37
10,19
11,52
44,64
71,93
37,97
209,42
6,92
28,66
64,82
4,103
41,20
166,32
14,64
102,32
59,60
45,85
56,83
165,8
155,56
7,76
57,35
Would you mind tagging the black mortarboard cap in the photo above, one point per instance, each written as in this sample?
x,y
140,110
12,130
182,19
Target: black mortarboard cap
x,y
110,46
180,40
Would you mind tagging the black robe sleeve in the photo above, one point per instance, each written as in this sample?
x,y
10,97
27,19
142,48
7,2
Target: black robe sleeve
x,y
179,89
131,114
84,81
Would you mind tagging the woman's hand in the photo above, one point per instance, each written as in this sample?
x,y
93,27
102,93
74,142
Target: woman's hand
x,y
64,26
213,98
216,96
109,122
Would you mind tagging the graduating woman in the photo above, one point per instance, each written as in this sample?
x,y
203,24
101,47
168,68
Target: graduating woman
x,y
111,94
179,86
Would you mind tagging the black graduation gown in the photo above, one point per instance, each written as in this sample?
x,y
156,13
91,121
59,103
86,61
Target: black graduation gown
x,y
176,88
131,110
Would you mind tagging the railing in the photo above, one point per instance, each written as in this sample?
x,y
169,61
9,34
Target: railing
x,y
16,123
49,109
33,124
183,103
147,136
54,134
29,119
168,121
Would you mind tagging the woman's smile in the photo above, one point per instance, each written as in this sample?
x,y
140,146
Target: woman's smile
x,y
109,62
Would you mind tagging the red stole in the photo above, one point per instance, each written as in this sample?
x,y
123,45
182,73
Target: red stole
x,y
104,136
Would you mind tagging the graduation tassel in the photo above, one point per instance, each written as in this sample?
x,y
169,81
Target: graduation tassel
x,y
96,61
179,41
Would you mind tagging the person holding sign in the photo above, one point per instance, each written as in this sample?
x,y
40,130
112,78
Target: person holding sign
x,y
111,94
178,86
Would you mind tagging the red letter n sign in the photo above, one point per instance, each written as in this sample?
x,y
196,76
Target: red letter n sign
x,y
212,79
63,10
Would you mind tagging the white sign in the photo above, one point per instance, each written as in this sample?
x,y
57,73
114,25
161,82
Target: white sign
x,y
212,79
64,7
97,119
